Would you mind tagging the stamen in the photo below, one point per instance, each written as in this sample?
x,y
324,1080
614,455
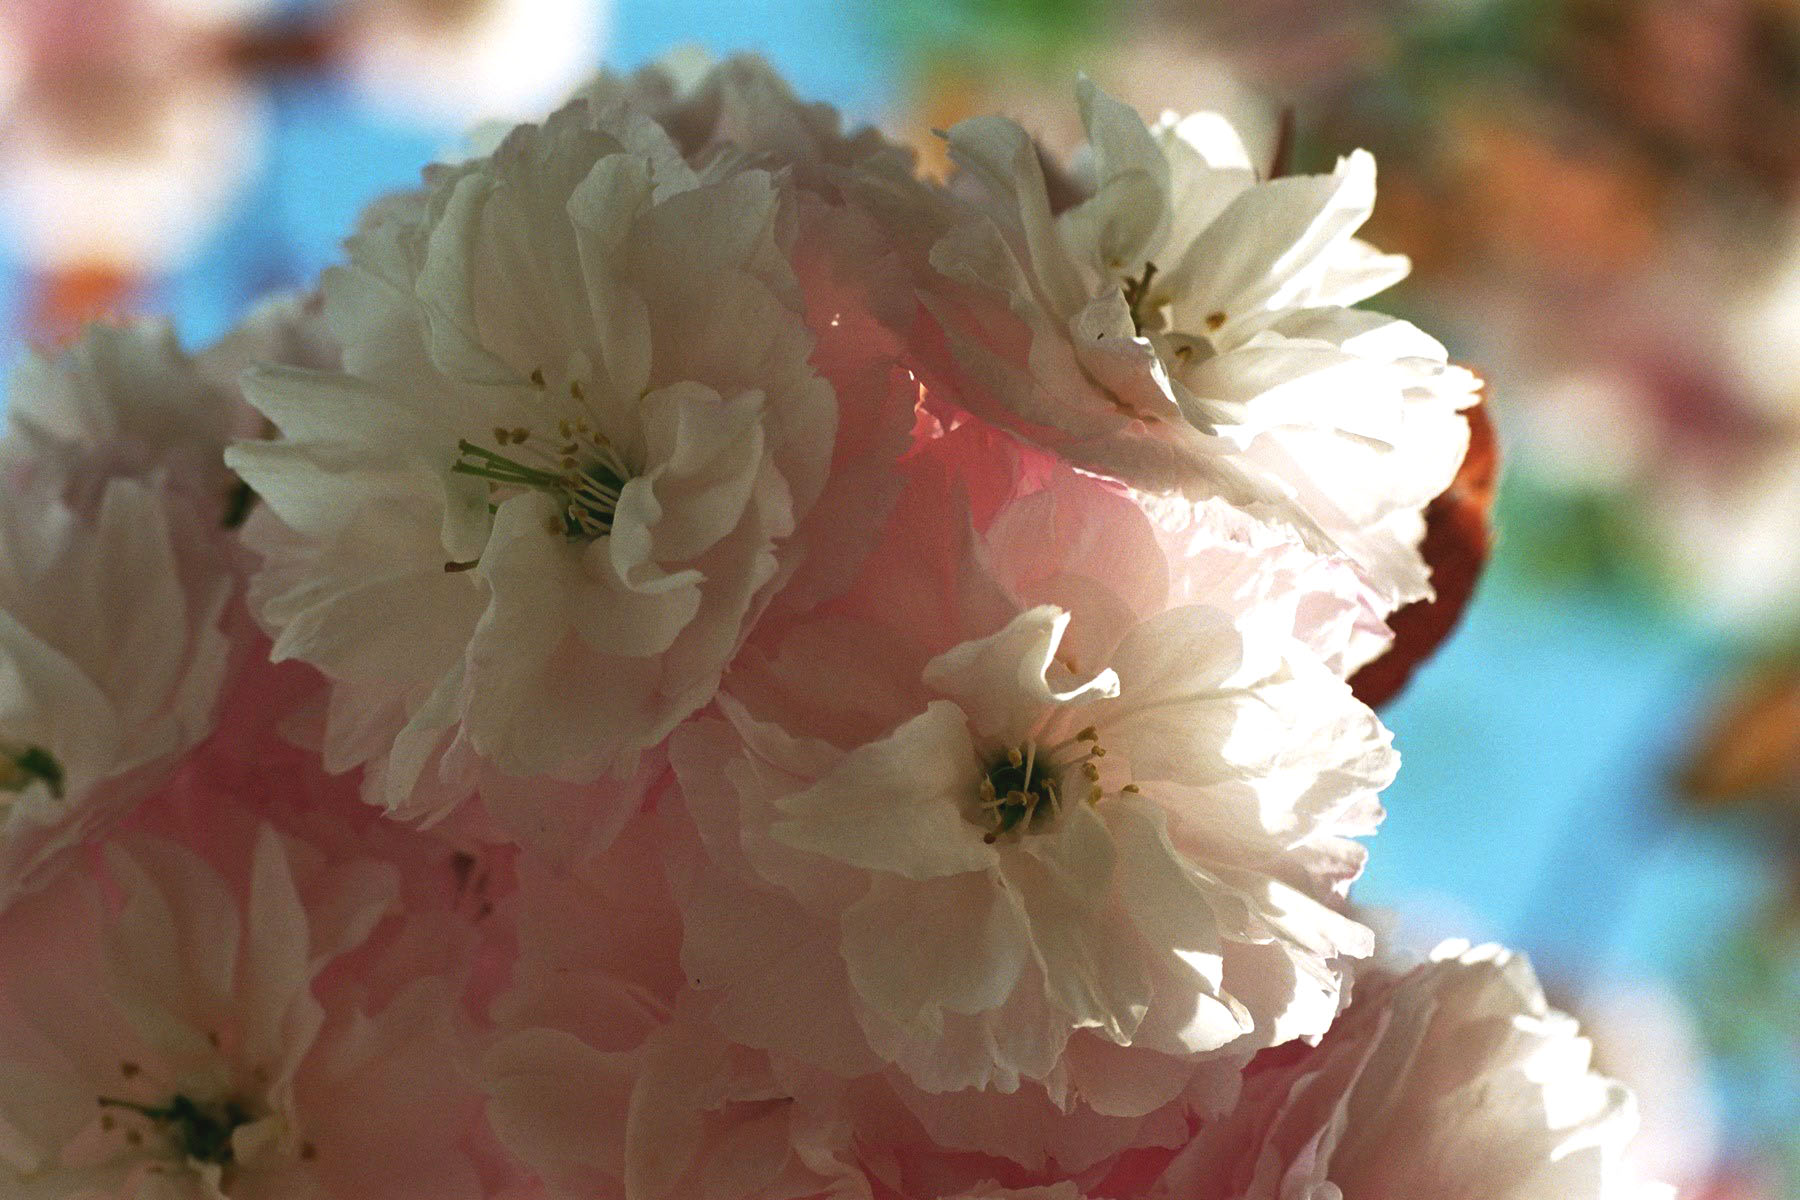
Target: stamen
x,y
584,474
1016,792
483,463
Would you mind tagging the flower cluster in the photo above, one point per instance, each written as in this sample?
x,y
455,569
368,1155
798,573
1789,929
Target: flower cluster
x,y
700,663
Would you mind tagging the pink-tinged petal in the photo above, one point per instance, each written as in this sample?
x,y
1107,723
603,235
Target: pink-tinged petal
x,y
560,1105
897,805
916,950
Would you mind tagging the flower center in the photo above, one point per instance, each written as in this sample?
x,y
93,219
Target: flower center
x,y
22,766
200,1132
1023,790
1137,298
240,498
578,467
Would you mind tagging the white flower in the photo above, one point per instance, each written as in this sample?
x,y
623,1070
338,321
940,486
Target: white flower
x,y
857,214
123,401
116,572
1144,851
1182,328
531,519
1455,1081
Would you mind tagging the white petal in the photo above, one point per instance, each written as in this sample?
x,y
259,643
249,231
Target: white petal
x,y
897,805
1004,683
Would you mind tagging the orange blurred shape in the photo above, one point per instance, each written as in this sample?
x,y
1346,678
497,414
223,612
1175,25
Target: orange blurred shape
x,y
1562,204
67,298
1750,752
1458,534
943,97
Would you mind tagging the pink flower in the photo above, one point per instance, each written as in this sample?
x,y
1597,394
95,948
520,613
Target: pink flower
x,y
117,580
227,1023
1455,1080
596,975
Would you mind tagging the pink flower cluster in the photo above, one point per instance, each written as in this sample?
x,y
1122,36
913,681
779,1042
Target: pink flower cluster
x,y
700,664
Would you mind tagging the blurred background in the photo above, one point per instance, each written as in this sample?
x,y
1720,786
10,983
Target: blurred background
x,y
1602,203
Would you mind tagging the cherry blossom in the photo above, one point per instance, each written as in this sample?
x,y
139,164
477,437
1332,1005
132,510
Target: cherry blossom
x,y
1184,326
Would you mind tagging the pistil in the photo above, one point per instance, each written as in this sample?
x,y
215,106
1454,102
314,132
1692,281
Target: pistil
x,y
1137,294
22,766
1029,783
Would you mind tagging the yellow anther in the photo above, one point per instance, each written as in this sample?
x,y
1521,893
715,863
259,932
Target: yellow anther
x,y
1090,734
1014,757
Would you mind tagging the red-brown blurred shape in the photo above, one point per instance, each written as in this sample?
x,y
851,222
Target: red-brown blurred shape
x,y
1457,537
283,48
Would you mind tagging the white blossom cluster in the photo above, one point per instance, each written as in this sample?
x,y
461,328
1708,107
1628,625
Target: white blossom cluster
x,y
702,664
